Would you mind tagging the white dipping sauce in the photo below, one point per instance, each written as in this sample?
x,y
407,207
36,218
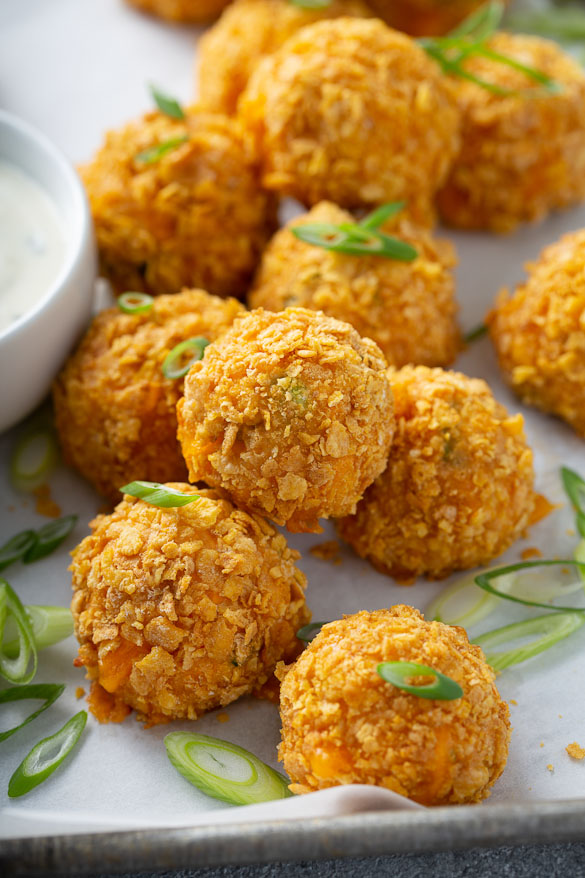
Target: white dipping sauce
x,y
32,245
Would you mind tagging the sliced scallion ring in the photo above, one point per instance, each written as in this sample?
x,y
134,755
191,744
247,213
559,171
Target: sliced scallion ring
x,y
548,630
166,104
14,668
464,603
223,770
484,581
155,153
575,488
33,459
48,692
135,303
475,334
309,632
442,688
311,4
16,547
353,240
580,558
49,625
174,364
382,214
49,537
158,495
46,756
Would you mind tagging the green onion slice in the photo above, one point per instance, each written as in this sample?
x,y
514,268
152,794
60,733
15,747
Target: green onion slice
x,y
580,558
548,630
135,303
484,581
14,667
560,23
443,688
49,625
309,632
464,603
49,537
158,495
223,770
174,364
382,214
155,153
575,489
16,547
475,334
354,240
46,756
33,459
48,692
311,4
166,104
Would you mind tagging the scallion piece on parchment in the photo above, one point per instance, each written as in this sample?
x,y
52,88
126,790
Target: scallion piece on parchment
x,y
47,692
46,756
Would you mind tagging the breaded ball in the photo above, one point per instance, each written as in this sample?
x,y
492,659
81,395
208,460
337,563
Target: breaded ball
x,y
115,411
522,155
407,308
353,112
342,723
247,31
291,413
425,17
190,11
181,610
458,490
193,215
539,332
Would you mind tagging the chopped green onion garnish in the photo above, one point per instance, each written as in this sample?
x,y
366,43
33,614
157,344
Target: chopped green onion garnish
x,y
49,538
154,153
309,632
14,667
475,334
174,365
311,4
464,603
49,692
167,105
33,459
158,495
49,625
443,688
223,770
46,756
484,581
580,558
135,303
575,488
354,240
549,629
16,547
562,24
382,214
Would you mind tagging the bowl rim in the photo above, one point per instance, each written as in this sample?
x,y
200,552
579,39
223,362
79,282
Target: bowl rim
x,y
78,233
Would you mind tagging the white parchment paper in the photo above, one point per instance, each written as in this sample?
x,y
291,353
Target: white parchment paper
x,y
75,69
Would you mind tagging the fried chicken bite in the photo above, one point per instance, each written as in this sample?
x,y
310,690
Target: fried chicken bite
x,y
458,489
342,723
350,111
539,332
181,610
115,411
407,308
522,154
178,203
187,11
247,31
425,17
291,413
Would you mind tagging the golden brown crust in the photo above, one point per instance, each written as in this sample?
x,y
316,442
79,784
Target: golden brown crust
x,y
458,489
189,11
539,332
196,217
291,413
181,610
407,308
341,723
115,411
351,111
247,31
521,156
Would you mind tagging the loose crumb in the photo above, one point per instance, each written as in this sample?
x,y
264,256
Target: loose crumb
x,y
514,702
542,508
570,532
45,505
542,743
328,551
575,751
560,715
79,692
12,508
531,552
222,717
550,768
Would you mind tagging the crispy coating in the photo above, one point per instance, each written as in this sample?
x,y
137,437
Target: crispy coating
x,y
181,610
458,489
190,11
408,308
341,723
247,31
196,216
522,155
115,411
424,17
353,112
291,413
539,332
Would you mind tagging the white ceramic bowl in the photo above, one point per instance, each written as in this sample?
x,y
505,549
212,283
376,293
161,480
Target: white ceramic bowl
x,y
34,347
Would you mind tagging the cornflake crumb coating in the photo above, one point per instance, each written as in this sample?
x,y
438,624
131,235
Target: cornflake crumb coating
x,y
539,332
424,17
247,31
190,11
342,724
522,155
178,611
115,411
353,112
458,489
291,413
407,308
194,217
